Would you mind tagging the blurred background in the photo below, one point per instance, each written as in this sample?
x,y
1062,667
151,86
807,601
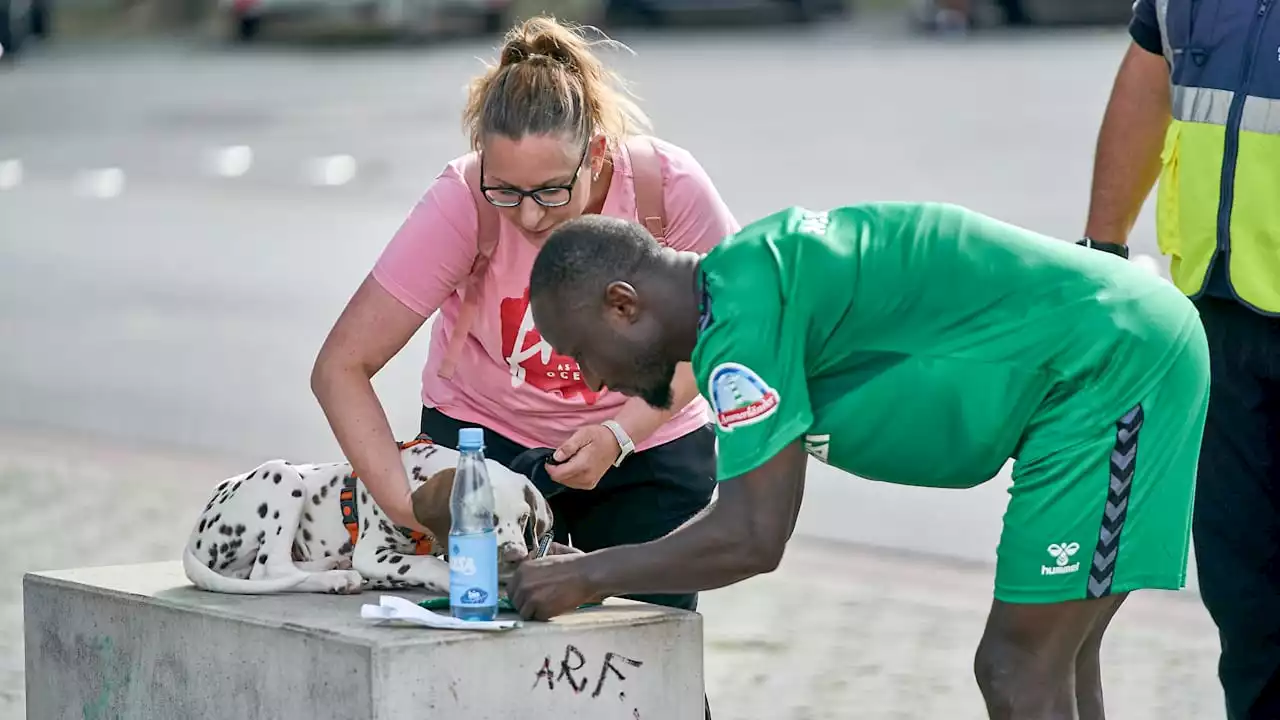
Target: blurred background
x,y
191,189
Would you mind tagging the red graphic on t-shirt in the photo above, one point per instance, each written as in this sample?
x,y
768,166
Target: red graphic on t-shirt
x,y
531,358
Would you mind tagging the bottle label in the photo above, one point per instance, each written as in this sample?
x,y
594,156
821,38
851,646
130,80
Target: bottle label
x,y
473,569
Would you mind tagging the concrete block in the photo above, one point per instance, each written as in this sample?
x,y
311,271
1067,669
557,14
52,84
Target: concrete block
x,y
139,642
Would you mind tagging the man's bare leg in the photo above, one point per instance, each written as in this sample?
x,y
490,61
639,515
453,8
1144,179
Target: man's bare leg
x,y
1089,668
1026,663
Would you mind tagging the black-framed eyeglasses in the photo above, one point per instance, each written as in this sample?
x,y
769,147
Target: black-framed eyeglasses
x,y
547,196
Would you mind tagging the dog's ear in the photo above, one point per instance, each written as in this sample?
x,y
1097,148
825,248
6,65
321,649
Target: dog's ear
x,y
431,502
543,518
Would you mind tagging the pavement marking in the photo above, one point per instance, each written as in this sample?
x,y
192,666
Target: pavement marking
x,y
231,161
332,170
100,183
10,174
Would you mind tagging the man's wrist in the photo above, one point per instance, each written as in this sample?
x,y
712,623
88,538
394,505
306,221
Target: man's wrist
x,y
1109,247
598,574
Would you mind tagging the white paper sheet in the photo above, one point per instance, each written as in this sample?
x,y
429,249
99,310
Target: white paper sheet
x,y
392,608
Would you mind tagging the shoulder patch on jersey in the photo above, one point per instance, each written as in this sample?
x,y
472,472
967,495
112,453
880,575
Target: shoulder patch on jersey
x,y
739,396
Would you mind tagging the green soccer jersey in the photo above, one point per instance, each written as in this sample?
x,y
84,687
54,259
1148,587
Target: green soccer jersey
x,y
917,343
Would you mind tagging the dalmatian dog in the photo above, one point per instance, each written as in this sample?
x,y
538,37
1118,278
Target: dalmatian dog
x,y
315,528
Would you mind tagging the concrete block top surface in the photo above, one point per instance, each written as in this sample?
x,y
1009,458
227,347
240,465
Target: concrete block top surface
x,y
336,617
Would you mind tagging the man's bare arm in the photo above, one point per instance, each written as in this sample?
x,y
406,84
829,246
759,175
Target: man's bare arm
x,y
1127,159
743,534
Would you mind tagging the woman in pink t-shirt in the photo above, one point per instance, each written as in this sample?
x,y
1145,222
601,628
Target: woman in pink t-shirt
x,y
550,129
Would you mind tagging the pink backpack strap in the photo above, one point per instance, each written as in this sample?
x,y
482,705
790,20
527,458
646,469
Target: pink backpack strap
x,y
646,172
486,243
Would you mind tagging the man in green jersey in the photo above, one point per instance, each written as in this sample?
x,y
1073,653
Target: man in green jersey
x,y
922,344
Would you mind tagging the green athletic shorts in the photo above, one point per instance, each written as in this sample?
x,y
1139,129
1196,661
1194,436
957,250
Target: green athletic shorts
x,y
1103,507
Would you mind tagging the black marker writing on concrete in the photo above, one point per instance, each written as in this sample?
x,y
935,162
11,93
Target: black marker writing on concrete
x,y
566,671
608,666
546,672
574,661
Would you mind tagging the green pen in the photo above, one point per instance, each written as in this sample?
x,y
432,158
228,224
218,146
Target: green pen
x,y
504,604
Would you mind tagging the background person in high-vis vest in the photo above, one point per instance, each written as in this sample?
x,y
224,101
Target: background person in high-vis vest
x,y
1196,104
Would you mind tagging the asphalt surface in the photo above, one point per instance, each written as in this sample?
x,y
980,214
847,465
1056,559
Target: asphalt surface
x,y
839,631
181,223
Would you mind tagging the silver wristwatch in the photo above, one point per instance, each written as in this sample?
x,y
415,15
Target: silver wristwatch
x,y
625,445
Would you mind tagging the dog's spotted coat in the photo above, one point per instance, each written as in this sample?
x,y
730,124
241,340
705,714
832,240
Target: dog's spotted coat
x,y
280,528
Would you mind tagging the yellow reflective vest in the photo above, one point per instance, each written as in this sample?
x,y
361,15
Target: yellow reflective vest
x,y
1218,200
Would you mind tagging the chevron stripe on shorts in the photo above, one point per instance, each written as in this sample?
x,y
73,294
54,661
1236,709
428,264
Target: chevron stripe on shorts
x,y
1123,461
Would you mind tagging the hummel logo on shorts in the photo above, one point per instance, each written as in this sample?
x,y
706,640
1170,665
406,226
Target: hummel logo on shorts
x,y
1062,554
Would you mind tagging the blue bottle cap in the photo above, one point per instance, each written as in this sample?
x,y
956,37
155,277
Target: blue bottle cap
x,y
471,438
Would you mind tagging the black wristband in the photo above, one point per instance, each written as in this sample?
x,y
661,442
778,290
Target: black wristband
x,y
1113,248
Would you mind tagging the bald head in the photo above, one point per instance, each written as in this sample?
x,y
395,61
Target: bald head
x,y
584,255
604,292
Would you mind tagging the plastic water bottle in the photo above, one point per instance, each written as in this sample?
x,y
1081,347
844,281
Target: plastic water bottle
x,y
473,542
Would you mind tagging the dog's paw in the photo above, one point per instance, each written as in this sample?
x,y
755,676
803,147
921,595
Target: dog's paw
x,y
343,582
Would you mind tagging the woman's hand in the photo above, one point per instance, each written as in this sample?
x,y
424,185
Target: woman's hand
x,y
584,458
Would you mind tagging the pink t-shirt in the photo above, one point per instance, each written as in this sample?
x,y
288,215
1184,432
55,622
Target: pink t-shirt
x,y
507,378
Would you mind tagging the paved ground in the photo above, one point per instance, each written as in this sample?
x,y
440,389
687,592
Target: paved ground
x,y
840,631
844,632
179,225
